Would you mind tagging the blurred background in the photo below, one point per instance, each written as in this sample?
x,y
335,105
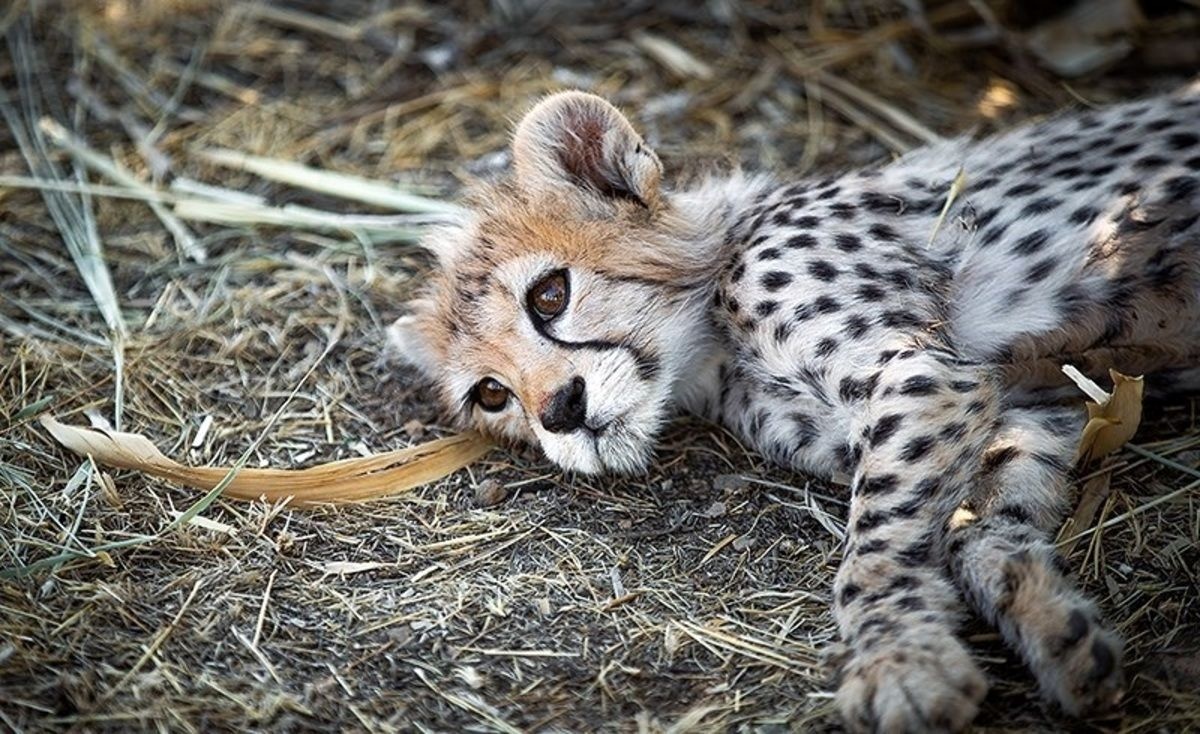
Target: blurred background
x,y
166,267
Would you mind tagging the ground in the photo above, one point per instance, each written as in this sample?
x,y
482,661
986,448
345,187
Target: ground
x,y
694,598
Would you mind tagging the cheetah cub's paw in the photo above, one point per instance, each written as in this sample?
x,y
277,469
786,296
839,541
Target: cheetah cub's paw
x,y
1080,666
1076,659
923,681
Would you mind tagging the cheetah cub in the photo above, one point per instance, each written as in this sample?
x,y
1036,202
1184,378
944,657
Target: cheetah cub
x,y
834,327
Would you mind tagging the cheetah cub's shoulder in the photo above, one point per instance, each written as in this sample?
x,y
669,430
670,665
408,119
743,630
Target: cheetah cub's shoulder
x,y
837,329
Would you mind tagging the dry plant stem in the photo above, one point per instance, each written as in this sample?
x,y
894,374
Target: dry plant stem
x,y
327,182
61,137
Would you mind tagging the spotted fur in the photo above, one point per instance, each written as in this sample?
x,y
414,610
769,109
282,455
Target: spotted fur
x,y
835,327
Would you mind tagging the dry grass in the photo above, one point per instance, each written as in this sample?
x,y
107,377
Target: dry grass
x,y
694,598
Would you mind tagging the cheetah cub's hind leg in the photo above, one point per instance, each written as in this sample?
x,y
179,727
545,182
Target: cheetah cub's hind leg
x,y
1003,556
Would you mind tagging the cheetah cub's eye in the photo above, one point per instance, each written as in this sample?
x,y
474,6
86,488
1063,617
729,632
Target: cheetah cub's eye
x,y
491,395
548,297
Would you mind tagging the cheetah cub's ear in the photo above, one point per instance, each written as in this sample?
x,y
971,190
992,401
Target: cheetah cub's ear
x,y
574,141
406,343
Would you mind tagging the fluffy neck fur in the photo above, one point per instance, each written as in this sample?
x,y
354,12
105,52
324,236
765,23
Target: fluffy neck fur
x,y
704,218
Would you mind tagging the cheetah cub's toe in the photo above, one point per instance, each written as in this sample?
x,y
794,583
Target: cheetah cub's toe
x,y
922,681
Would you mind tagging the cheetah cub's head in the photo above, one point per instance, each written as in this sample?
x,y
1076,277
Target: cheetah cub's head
x,y
566,308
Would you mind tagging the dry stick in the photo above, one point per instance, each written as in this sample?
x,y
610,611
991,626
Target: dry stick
x,y
897,117
341,185
61,137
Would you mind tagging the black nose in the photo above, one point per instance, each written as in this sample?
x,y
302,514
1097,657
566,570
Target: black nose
x,y
567,408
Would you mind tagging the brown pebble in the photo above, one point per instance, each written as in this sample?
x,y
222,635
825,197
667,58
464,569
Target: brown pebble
x,y
490,492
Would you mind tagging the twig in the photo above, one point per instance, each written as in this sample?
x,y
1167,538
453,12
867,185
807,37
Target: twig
x,y
61,137
328,182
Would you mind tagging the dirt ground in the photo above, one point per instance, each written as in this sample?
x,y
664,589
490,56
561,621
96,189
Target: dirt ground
x,y
694,598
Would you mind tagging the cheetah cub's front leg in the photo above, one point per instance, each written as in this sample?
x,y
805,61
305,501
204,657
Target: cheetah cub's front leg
x,y
1003,557
924,430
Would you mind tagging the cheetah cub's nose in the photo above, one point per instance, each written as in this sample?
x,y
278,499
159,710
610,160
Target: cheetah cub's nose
x,y
567,408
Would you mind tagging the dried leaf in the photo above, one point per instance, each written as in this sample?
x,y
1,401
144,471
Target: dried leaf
x,y
1112,421
348,480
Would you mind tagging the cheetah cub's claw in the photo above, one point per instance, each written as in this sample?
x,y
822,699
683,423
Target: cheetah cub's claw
x,y
924,681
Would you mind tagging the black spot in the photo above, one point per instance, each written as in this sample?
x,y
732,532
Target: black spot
x,y
866,270
902,278
1124,149
807,221
868,520
847,456
847,242
801,241
829,193
996,458
827,304
975,407
1023,189
823,270
886,356
1180,187
874,545
882,484
992,234
1041,270
768,254
775,280
851,389
953,431
871,293
1031,242
766,308
919,553
1072,299
899,318
928,487
1193,163
1084,215
1150,161
1183,224
1104,169
805,429
985,183
857,326
885,429
919,385
849,592
985,217
910,603
783,331
883,232
1069,172
1077,629
1160,124
1104,659
1014,513
1125,188
917,448
963,386
883,203
842,210
826,347
1041,205
781,218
